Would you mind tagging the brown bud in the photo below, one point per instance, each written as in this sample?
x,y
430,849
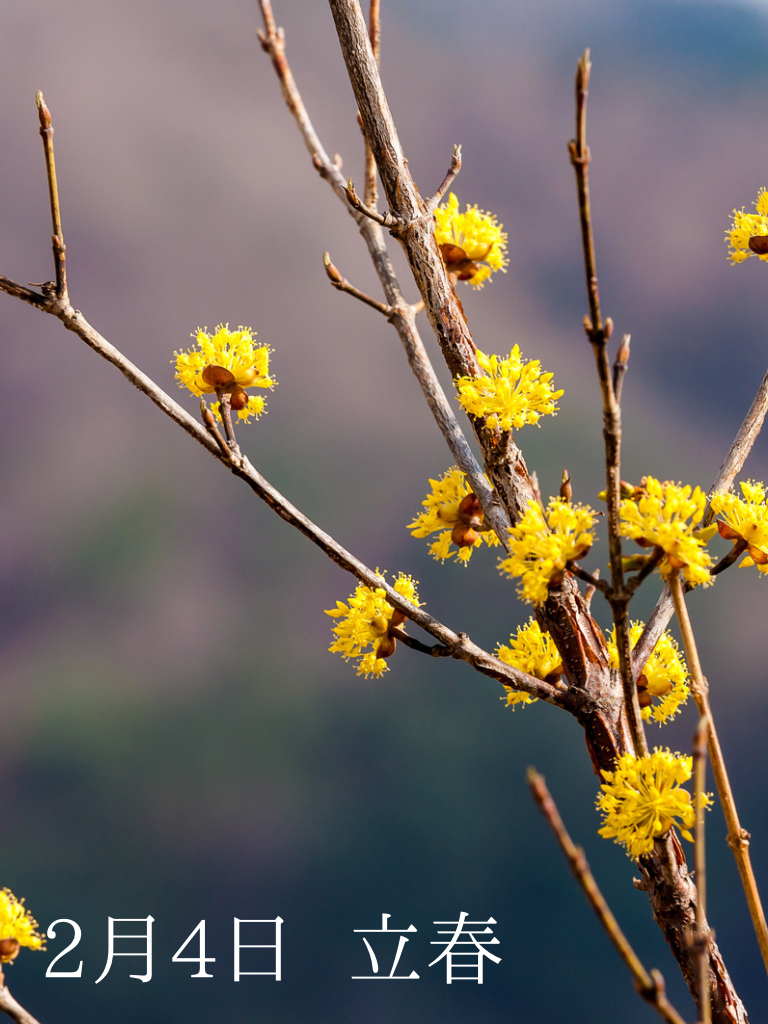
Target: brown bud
x,y
566,489
9,949
644,699
386,647
727,532
608,328
217,377
759,244
622,356
463,536
758,556
469,509
398,618
238,399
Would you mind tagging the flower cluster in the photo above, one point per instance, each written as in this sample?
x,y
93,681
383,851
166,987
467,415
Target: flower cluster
x,y
658,515
17,927
472,243
532,652
366,621
543,544
454,513
747,231
512,393
746,521
226,362
663,685
641,799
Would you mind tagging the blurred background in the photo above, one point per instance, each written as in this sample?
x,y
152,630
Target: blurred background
x,y
177,741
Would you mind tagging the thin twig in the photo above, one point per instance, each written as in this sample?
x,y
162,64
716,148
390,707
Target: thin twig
x,y
209,422
9,1005
343,285
701,936
620,365
738,838
370,191
273,42
433,203
386,220
598,333
57,238
592,580
649,986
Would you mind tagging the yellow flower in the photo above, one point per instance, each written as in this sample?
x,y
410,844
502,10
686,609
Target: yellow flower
x,y
533,652
544,543
469,239
366,621
746,226
657,516
747,521
642,799
512,392
453,511
17,927
663,685
226,362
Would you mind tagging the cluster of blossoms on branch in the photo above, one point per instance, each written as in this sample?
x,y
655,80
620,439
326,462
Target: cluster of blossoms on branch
x,y
472,243
367,621
512,392
531,651
663,684
745,521
454,513
642,798
226,362
17,927
748,233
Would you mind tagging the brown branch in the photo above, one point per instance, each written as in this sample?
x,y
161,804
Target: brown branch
x,y
738,837
273,42
15,1010
370,191
598,334
700,936
57,238
385,220
433,203
343,285
650,986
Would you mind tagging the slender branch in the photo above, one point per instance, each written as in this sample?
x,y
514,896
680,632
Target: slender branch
x,y
591,579
273,42
650,986
57,239
386,220
620,365
343,285
433,203
730,558
738,838
700,938
9,1005
598,333
370,191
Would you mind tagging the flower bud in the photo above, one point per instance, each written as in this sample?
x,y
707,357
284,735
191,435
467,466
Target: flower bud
x,y
386,647
463,536
759,244
217,376
238,399
398,618
566,489
9,949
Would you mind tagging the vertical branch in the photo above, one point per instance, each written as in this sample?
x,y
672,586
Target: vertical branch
x,y
370,192
598,332
738,837
700,861
57,239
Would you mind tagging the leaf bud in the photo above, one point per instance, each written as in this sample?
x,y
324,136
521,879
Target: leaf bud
x,y
566,490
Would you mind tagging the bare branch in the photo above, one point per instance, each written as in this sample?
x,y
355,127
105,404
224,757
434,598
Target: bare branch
x,y
9,1005
343,285
57,239
650,986
433,203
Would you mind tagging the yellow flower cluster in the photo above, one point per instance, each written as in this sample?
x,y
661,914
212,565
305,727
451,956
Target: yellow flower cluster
x,y
746,520
533,652
657,516
365,622
454,513
226,362
543,545
472,243
641,799
746,226
17,927
663,685
512,393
